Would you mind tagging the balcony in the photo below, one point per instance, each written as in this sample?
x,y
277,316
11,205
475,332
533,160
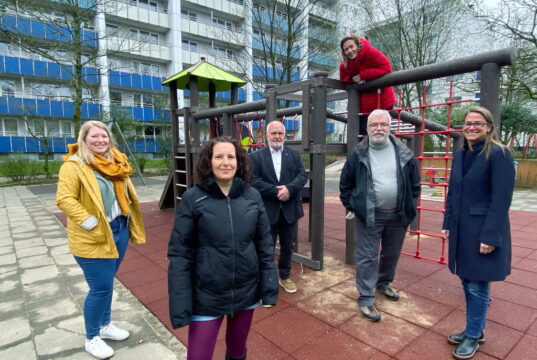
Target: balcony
x,y
233,7
47,31
46,107
44,69
27,144
158,50
137,81
206,28
226,63
145,114
157,17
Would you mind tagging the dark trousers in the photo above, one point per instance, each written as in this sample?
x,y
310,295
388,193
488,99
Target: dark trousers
x,y
286,234
373,271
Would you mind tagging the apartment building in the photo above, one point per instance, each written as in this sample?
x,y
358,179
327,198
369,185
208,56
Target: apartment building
x,y
132,46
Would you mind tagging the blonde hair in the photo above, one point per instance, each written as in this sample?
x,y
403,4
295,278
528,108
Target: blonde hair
x,y
491,137
357,40
84,153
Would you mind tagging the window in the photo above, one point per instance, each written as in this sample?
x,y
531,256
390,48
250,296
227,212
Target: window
x,y
138,100
114,64
144,36
63,93
222,52
190,46
136,67
115,98
43,91
146,68
143,4
87,95
53,128
66,128
222,24
11,127
153,5
153,39
8,88
155,70
111,30
148,101
189,15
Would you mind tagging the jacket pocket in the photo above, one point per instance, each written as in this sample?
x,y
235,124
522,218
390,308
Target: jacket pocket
x,y
476,210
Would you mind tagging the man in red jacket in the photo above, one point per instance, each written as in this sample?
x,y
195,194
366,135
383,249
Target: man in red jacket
x,y
362,62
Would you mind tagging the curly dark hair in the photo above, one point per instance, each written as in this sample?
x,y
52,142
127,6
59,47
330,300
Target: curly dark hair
x,y
203,168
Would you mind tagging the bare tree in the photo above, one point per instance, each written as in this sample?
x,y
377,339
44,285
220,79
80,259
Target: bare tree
x,y
67,38
515,21
278,52
411,33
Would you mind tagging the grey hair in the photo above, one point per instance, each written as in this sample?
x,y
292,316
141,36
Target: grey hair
x,y
380,112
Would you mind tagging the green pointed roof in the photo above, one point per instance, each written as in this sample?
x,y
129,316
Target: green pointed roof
x,y
206,74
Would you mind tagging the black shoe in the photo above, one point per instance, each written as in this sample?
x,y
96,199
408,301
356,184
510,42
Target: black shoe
x,y
456,339
389,293
466,349
370,313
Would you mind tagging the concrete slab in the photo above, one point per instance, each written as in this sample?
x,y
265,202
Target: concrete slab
x,y
15,330
23,351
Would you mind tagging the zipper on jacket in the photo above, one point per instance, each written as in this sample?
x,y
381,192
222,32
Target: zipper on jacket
x,y
232,255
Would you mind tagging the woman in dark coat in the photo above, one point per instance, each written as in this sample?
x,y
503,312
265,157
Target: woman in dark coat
x,y
362,62
477,222
220,254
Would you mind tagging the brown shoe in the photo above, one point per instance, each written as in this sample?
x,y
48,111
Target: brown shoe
x,y
288,285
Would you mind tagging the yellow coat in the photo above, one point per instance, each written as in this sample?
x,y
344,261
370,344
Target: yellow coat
x,y
79,197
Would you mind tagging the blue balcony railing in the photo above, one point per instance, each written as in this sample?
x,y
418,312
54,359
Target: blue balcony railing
x,y
45,107
139,81
44,69
145,114
42,30
27,144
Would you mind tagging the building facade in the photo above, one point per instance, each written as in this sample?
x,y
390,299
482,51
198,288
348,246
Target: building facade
x,y
129,48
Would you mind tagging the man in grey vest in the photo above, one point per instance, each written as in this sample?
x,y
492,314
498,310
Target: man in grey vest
x,y
379,186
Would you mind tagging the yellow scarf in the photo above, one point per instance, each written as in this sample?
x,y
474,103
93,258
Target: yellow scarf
x,y
116,170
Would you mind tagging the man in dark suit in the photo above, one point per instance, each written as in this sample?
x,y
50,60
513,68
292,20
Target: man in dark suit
x,y
278,174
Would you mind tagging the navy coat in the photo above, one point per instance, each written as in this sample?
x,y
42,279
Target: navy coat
x,y
477,211
292,175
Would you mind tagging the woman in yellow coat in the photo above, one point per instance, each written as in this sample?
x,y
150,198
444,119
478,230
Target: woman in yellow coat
x,y
97,195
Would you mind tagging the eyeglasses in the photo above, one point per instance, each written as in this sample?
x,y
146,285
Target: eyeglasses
x,y
476,124
376,125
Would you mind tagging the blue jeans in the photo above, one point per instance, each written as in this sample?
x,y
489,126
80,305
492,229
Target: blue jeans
x,y
99,274
477,295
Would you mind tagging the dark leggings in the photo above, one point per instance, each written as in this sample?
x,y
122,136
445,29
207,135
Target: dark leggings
x,y
202,336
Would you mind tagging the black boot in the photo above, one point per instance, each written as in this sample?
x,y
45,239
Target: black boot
x,y
466,349
229,357
456,339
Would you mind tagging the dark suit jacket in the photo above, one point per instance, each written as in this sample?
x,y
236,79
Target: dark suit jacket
x,y
292,175
477,211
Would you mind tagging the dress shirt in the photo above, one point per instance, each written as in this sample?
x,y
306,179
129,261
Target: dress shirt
x,y
277,161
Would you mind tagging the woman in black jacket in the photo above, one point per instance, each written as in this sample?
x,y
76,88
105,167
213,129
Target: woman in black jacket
x,y
220,253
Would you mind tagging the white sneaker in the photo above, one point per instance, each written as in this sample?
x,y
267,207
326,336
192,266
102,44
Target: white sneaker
x,y
113,333
98,348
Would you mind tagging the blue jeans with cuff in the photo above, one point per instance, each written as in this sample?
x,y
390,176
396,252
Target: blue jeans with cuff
x,y
477,294
99,274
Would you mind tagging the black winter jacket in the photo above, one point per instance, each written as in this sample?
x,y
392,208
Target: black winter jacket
x,y
356,183
220,252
